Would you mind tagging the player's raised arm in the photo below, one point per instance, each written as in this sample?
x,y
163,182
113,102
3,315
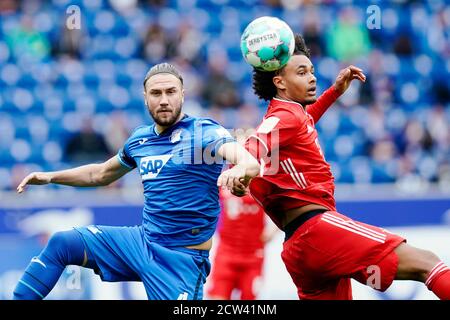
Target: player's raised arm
x,y
246,166
346,76
91,175
343,80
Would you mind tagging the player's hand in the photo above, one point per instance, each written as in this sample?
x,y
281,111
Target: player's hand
x,y
239,190
346,76
34,178
232,178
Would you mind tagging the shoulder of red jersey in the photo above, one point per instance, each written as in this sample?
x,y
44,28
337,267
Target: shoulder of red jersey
x,y
282,113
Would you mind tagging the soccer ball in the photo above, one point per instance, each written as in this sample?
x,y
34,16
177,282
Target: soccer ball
x,y
267,43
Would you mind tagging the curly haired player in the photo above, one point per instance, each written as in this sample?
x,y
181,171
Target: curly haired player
x,y
323,249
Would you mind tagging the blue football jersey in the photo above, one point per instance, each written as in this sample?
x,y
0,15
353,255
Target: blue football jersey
x,y
179,170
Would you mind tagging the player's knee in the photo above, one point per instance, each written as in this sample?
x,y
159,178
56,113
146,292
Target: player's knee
x,y
66,247
415,263
58,241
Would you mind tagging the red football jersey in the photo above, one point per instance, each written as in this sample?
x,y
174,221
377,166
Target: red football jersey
x,y
293,165
241,223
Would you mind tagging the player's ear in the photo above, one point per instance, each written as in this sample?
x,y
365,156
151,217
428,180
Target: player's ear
x,y
279,82
182,96
145,98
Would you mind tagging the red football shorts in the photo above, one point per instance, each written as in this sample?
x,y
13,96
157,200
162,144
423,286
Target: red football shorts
x,y
230,272
330,248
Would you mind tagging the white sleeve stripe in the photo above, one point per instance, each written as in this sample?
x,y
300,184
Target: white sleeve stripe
x,y
287,169
301,177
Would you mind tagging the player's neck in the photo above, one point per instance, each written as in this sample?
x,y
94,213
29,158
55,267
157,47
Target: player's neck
x,y
288,99
160,129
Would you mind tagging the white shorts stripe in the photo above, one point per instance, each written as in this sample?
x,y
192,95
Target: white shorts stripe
x,y
342,226
361,227
286,169
353,225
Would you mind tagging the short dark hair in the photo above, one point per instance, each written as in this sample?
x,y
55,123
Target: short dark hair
x,y
163,68
263,81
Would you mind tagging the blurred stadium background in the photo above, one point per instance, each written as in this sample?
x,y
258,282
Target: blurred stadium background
x,y
72,96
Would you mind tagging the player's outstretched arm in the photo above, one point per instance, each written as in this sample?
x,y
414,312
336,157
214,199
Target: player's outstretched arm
x,y
343,80
91,175
246,166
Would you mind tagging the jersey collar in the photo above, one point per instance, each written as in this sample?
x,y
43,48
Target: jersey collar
x,y
169,130
279,102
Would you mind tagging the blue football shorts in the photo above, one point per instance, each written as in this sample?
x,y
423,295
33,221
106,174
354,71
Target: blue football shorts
x,y
168,273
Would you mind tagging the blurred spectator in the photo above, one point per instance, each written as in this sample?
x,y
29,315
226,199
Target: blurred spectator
x,y
384,164
438,125
417,137
403,45
8,6
116,132
69,43
123,6
87,146
154,3
186,44
156,43
219,90
348,38
273,3
441,91
27,43
383,151
437,32
312,33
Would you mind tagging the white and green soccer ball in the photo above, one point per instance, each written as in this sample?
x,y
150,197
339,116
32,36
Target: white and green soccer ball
x,y
267,43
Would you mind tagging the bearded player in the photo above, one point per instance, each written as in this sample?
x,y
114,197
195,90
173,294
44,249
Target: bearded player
x,y
323,249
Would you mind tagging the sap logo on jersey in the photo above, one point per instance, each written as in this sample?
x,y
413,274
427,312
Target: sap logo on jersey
x,y
151,166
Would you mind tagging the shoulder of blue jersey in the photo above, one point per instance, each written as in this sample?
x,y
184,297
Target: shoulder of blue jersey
x,y
216,127
141,130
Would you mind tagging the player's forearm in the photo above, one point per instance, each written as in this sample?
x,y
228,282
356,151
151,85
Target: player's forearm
x,y
91,175
243,161
250,166
318,108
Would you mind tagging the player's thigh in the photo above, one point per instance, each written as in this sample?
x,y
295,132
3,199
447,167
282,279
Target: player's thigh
x,y
348,245
332,246
175,273
118,251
